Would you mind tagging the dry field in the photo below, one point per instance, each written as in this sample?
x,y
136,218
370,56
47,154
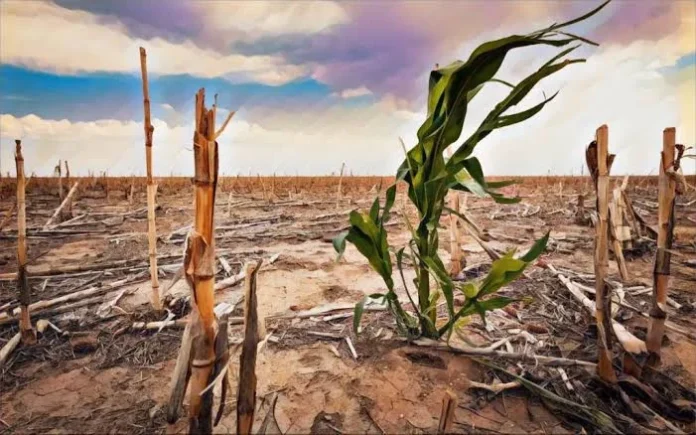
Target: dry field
x,y
101,374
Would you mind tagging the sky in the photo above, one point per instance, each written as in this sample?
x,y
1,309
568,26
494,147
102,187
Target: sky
x,y
315,84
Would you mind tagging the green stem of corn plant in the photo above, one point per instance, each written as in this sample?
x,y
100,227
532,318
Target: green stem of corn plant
x,y
429,177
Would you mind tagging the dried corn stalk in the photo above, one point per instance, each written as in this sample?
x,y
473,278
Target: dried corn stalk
x,y
151,187
24,291
667,190
200,268
599,163
204,354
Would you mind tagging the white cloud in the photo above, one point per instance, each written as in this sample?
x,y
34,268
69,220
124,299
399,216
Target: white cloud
x,y
362,91
256,19
619,87
366,139
42,35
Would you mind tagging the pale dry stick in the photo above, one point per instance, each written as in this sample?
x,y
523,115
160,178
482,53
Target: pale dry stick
x,y
236,279
151,186
71,222
65,202
68,210
349,342
224,124
601,254
494,388
131,195
40,306
246,389
176,323
661,270
339,192
24,291
628,341
8,215
474,351
59,171
180,377
449,404
229,205
9,347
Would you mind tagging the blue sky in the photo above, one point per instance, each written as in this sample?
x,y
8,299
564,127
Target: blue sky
x,y
316,84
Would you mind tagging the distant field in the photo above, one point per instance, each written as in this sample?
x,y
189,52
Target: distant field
x,y
288,185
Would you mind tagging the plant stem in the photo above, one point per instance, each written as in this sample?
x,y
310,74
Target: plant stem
x,y
151,186
661,270
428,328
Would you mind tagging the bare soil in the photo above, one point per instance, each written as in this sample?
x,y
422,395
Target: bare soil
x,y
393,387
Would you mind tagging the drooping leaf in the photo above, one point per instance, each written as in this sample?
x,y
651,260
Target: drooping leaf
x,y
339,244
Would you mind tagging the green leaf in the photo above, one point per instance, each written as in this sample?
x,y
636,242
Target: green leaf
x,y
470,179
357,314
503,271
495,303
518,117
364,224
389,203
536,250
339,244
580,18
374,210
501,184
470,290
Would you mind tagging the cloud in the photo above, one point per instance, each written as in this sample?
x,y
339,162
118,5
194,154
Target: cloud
x,y
323,140
619,87
362,91
213,24
263,18
41,35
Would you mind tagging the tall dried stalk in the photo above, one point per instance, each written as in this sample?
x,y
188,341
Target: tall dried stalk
x,y
68,211
200,269
339,191
24,291
661,271
61,207
599,163
59,171
151,186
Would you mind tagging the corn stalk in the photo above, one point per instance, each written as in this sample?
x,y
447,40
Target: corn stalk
x,y
200,267
24,291
457,260
151,187
599,162
203,355
669,165
429,177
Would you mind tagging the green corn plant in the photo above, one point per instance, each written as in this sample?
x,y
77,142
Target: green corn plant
x,y
429,176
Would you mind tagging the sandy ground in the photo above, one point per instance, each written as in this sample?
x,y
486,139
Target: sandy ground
x,y
392,387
